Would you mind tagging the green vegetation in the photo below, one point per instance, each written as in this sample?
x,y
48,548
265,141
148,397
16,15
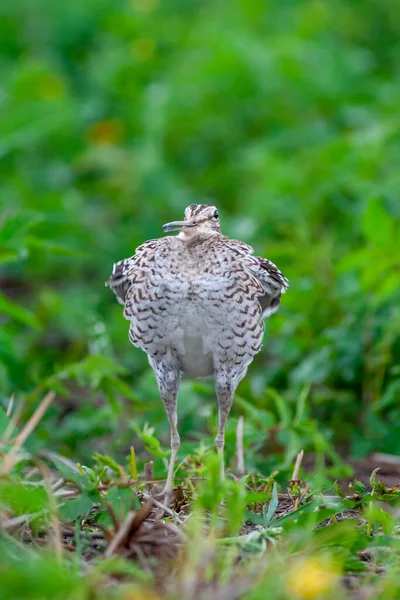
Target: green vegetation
x,y
115,116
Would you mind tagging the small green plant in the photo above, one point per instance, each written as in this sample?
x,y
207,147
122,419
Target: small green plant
x,y
115,116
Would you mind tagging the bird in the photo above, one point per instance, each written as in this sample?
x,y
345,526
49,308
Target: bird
x,y
196,303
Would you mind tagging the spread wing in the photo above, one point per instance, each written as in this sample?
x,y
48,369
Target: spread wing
x,y
274,284
130,271
268,279
271,282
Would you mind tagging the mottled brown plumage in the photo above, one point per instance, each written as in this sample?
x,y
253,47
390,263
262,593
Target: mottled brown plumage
x,y
196,303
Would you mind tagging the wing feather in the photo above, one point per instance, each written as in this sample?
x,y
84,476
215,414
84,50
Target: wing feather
x,y
131,270
274,283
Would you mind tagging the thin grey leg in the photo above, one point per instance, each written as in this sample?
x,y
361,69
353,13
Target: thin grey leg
x,y
225,388
167,375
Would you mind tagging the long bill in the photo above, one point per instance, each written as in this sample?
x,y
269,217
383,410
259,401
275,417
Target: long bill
x,y
178,225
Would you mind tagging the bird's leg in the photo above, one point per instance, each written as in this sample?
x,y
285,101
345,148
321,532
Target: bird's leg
x,y
167,376
225,389
175,443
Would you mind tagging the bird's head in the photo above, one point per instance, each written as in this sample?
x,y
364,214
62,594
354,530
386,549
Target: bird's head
x,y
199,219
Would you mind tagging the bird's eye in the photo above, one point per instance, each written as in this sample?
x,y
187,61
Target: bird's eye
x,y
215,215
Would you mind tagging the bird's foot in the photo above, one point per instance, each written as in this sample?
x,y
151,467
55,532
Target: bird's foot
x,y
165,501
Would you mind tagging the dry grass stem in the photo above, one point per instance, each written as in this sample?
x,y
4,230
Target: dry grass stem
x,y
10,406
25,433
113,516
13,423
296,470
149,471
120,535
389,459
169,511
18,521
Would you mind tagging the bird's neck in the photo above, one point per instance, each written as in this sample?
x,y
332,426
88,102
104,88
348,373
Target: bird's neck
x,y
195,237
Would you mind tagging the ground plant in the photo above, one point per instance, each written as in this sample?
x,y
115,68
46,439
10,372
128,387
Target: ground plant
x,y
115,115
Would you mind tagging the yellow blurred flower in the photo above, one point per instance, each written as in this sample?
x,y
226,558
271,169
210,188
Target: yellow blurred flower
x,y
312,578
106,133
144,5
144,48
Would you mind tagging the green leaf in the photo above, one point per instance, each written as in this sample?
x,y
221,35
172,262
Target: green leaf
x,y
152,444
11,256
54,248
74,508
14,226
339,491
23,498
272,506
355,260
378,487
122,387
377,225
122,499
107,461
377,516
133,464
308,507
70,474
4,423
282,408
358,488
16,312
372,479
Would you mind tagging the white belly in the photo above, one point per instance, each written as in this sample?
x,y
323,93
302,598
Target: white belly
x,y
193,338
194,361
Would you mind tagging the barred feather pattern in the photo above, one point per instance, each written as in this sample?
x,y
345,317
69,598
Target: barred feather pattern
x,y
198,302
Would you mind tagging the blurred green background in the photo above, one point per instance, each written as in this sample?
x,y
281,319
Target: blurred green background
x,y
114,116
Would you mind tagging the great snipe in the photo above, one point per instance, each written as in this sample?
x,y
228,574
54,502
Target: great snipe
x,y
196,303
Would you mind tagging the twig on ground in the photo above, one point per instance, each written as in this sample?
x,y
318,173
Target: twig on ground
x,y
23,435
149,470
382,457
18,521
120,535
169,511
113,516
57,484
299,460
174,529
295,481
67,493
